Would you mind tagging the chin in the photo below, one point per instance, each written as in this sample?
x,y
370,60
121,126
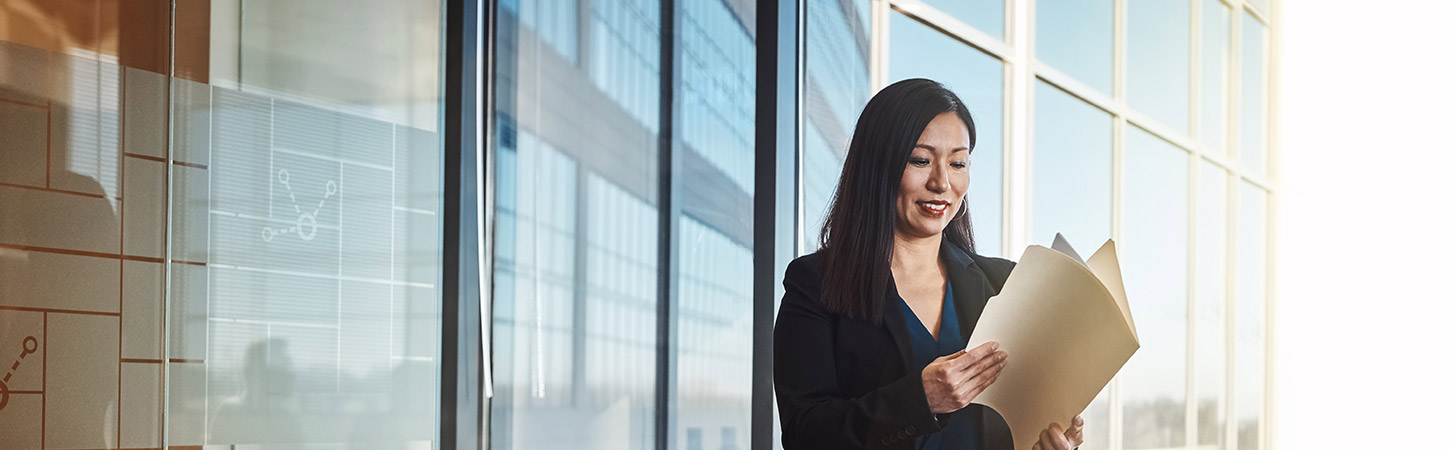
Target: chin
x,y
927,229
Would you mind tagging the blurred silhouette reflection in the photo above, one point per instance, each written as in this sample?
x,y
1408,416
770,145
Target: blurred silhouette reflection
x,y
263,413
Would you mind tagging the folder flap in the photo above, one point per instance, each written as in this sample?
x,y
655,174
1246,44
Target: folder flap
x,y
1104,264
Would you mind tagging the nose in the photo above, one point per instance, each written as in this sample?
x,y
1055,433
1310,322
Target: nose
x,y
940,180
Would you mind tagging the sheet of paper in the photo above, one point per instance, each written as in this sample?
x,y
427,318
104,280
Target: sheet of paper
x,y
1060,244
1067,330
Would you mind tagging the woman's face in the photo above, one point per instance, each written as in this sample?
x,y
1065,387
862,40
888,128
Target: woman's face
x,y
935,179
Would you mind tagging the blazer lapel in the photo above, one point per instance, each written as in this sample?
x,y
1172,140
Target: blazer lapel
x,y
970,291
970,288
895,320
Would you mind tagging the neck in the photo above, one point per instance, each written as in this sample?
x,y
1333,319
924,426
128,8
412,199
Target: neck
x,y
913,254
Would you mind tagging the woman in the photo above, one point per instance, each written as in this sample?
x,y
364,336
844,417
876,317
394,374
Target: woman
x,y
869,342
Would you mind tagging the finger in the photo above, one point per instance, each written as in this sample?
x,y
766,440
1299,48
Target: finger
x,y
981,351
1049,437
1045,440
973,390
975,354
1075,434
1037,445
1059,442
978,385
985,363
954,355
975,386
985,372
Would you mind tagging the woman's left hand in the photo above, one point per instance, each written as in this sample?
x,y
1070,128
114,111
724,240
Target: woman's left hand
x,y
1054,438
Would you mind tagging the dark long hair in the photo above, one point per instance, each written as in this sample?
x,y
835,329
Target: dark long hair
x,y
859,232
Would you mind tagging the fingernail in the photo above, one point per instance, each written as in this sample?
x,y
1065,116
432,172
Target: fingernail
x,y
994,346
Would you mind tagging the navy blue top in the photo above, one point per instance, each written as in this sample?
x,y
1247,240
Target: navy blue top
x,y
958,434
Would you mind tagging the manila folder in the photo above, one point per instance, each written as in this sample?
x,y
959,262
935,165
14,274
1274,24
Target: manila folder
x,y
1066,328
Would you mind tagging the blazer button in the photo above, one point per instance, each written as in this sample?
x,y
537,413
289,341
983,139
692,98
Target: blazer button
x,y
886,442
911,429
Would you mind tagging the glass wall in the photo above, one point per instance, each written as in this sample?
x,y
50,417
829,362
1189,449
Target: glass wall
x,y
1126,124
714,187
837,86
1211,322
598,240
1154,258
1157,53
1076,38
1249,309
223,233
220,220
577,214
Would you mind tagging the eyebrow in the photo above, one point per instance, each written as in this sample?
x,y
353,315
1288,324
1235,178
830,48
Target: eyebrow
x,y
928,147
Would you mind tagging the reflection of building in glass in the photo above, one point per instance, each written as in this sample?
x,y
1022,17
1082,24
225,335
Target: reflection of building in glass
x,y
837,85
576,297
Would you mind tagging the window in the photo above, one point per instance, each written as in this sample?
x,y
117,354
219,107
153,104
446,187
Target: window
x,y
1076,38
1249,315
1154,259
1072,173
1156,81
918,51
577,262
1215,25
1253,103
837,85
1210,356
985,15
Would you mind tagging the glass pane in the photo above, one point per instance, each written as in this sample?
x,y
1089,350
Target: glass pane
x,y
1261,5
714,187
556,23
984,15
1072,171
1095,421
1253,103
1076,38
837,86
1249,315
1155,270
1157,48
292,207
918,51
576,187
1210,359
1216,27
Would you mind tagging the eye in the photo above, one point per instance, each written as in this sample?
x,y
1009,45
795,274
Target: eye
x,y
960,165
918,162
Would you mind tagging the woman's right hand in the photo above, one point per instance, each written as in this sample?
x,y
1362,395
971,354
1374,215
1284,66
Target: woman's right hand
x,y
953,381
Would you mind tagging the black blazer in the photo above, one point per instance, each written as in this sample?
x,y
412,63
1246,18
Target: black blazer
x,y
843,383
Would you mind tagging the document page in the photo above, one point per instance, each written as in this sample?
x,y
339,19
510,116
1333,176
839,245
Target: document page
x,y
1066,328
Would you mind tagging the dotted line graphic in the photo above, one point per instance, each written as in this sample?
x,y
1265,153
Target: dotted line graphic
x,y
306,225
26,349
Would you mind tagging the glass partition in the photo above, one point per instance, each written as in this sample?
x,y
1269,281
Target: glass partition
x,y
220,223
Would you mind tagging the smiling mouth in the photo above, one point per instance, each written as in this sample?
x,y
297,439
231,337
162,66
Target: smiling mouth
x,y
933,208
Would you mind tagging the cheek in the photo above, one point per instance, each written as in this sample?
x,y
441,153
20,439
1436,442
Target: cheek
x,y
910,184
964,180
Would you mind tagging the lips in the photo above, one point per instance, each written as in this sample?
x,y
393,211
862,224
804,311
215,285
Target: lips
x,y
933,208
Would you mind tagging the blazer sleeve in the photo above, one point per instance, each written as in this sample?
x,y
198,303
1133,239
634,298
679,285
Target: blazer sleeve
x,y
814,413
